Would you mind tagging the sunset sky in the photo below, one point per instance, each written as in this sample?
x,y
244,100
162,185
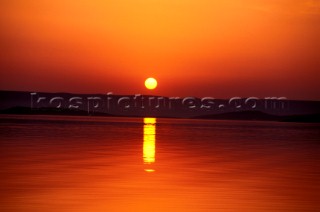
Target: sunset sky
x,y
192,47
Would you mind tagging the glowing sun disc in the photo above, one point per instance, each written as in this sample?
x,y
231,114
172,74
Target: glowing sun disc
x,y
151,83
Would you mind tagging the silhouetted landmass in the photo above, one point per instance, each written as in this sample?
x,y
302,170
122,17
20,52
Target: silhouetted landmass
x,y
33,103
50,111
260,116
241,115
310,118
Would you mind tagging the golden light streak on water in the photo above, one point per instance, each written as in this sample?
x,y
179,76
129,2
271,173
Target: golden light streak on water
x,y
149,142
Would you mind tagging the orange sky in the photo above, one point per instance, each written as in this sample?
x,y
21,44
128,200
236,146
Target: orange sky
x,y
193,47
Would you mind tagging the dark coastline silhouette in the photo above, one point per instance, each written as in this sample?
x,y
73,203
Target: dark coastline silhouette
x,y
17,102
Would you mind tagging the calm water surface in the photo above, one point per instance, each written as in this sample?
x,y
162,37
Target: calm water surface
x,y
133,164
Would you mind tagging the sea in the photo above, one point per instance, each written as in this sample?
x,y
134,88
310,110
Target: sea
x,y
95,164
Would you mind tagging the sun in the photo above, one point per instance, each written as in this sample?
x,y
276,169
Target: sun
x,y
151,83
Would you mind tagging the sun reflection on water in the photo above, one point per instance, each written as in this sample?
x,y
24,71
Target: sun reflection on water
x,y
149,142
